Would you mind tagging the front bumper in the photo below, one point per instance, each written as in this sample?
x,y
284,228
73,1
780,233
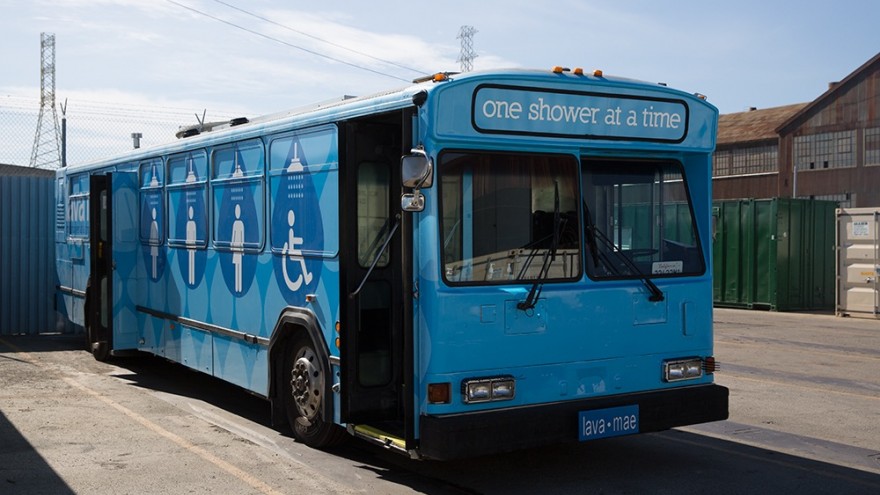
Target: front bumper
x,y
503,430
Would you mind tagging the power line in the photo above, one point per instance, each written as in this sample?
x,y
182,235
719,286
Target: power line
x,y
270,38
126,110
337,45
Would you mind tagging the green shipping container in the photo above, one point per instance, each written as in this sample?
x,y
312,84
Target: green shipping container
x,y
775,254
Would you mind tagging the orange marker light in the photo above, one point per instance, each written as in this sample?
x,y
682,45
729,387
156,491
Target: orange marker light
x,y
578,71
709,365
597,72
438,393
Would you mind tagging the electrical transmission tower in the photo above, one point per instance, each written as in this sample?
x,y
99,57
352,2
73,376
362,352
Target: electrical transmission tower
x,y
47,145
466,35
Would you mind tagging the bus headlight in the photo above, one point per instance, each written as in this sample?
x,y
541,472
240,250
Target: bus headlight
x,y
682,369
477,390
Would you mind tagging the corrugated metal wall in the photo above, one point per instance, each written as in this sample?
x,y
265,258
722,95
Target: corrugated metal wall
x,y
27,255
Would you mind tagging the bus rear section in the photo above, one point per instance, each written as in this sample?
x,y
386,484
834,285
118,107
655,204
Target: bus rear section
x,y
564,288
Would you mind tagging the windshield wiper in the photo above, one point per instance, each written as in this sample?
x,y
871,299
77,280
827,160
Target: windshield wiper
x,y
593,234
549,256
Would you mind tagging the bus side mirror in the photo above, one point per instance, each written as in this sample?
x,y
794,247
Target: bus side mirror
x,y
412,201
416,171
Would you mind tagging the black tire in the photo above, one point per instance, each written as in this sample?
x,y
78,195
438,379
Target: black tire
x,y
100,350
304,390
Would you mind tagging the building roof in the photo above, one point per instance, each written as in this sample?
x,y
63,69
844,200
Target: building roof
x,y
833,91
755,125
17,171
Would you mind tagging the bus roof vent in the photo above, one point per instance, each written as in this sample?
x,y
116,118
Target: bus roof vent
x,y
238,121
190,131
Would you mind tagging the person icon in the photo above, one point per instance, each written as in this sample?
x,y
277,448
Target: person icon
x,y
237,245
154,244
191,245
293,254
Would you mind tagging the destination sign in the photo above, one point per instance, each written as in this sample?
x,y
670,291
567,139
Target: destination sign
x,y
585,115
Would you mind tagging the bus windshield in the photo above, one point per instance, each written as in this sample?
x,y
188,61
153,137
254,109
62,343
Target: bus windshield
x,y
638,220
509,217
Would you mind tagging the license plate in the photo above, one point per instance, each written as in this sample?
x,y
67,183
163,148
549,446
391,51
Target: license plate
x,y
611,422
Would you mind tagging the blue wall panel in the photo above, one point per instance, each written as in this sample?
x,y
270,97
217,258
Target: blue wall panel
x,y
27,255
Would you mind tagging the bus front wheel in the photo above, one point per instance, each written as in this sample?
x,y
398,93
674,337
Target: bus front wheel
x,y
304,384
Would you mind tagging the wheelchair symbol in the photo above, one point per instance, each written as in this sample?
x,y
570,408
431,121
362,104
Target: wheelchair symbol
x,y
289,251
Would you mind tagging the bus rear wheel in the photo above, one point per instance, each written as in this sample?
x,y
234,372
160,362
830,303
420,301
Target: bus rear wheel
x,y
304,383
100,350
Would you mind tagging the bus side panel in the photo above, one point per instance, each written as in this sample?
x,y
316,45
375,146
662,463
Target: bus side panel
x,y
70,305
241,363
212,305
124,230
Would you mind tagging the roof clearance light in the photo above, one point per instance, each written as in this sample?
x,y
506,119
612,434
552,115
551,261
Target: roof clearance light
x,y
558,69
597,72
579,71
440,77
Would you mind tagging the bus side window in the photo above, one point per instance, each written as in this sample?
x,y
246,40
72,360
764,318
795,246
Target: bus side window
x,y
78,207
237,177
187,197
374,224
60,210
152,203
373,220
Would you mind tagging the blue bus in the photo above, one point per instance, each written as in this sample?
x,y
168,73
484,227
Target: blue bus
x,y
475,263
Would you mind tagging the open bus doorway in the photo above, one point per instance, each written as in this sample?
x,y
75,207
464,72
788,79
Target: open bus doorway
x,y
113,240
98,318
373,327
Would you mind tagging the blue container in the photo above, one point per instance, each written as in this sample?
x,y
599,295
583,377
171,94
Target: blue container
x,y
27,255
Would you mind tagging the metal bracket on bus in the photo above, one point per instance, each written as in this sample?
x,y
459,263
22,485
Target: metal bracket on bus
x,y
416,171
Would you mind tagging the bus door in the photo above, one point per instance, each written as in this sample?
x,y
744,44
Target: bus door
x,y
113,239
371,323
98,318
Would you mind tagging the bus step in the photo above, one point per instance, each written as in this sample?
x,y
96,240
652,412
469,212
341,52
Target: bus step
x,y
379,437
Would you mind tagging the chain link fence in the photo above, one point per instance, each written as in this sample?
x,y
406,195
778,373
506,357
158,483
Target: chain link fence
x,y
95,130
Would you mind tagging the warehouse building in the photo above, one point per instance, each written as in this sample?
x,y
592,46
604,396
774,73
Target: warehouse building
x,y
825,149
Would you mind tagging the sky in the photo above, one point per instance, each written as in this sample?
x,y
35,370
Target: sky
x,y
255,57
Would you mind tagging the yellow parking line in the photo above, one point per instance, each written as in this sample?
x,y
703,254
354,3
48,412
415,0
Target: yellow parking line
x,y
146,423
182,442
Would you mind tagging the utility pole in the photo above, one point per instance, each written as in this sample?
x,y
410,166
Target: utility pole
x,y
47,147
466,35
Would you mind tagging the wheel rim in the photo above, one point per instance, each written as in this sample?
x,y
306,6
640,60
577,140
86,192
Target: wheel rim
x,y
307,383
